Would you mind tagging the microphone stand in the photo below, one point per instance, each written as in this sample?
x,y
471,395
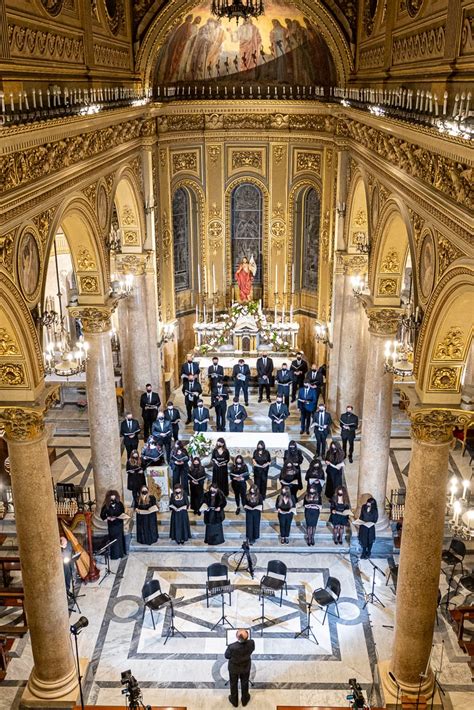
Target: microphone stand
x,y
372,597
79,676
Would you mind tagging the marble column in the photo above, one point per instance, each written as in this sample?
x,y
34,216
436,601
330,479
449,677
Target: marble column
x,y
420,554
334,353
101,403
53,679
376,427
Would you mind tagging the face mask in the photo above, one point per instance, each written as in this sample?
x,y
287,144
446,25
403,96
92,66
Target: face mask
x,y
260,448
349,411
314,369
298,358
284,369
278,401
170,408
144,492
112,498
321,409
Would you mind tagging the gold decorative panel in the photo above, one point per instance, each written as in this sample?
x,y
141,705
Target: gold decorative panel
x,y
12,375
306,161
444,378
89,284
8,344
387,287
246,159
451,347
185,161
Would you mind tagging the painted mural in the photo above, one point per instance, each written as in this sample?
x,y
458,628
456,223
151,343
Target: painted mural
x,y
280,47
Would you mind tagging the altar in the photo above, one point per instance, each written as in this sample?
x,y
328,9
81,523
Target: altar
x,y
245,442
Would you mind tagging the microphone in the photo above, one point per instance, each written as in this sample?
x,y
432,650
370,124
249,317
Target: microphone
x,y
81,623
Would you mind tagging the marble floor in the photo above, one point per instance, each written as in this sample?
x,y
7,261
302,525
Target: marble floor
x,y
191,671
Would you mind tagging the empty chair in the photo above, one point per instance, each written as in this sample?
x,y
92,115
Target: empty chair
x,y
327,596
275,579
152,597
217,577
455,555
392,572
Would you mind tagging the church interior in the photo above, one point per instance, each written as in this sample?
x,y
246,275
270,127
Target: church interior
x,y
254,217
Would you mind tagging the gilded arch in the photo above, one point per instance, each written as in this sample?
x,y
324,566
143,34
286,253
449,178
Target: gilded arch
x,y
128,200
358,221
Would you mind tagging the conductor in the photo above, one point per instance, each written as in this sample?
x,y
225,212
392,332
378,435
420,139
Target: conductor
x,y
239,654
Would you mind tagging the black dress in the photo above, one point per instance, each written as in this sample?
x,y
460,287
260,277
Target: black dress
x,y
285,510
179,463
337,517
295,456
367,534
180,530
115,528
220,471
135,480
312,508
253,512
213,518
334,476
314,477
260,470
292,479
197,476
147,524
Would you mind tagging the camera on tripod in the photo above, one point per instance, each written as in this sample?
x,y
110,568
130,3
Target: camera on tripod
x,y
356,697
132,691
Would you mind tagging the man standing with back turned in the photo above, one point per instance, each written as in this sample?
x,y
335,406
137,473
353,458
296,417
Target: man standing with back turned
x,y
239,656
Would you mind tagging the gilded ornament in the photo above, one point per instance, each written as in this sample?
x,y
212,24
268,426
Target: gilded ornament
x,y
35,42
444,378
8,345
417,224
11,375
432,426
85,260
278,228
360,219
447,253
6,251
132,264
215,228
369,10
353,263
413,6
278,153
54,7
383,321
308,161
214,121
247,159
391,262
94,319
184,161
278,245
387,287
89,284
279,120
278,210
42,223
214,152
452,345
130,238
421,45
22,423
91,192
107,56
214,210
163,157
115,14
127,215
324,236
166,239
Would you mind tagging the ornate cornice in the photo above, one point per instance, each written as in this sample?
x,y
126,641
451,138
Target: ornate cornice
x,y
355,264
383,321
132,264
435,426
94,319
22,423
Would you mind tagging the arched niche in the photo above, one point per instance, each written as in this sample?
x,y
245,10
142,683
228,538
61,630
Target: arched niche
x,y
130,215
392,246
21,363
446,338
306,222
358,219
186,241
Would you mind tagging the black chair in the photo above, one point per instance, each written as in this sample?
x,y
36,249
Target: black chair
x,y
275,579
392,573
217,577
153,598
455,555
328,595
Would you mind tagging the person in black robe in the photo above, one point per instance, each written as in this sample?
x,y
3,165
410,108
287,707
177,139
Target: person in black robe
x,y
220,458
152,455
135,475
285,507
180,530
295,455
261,461
314,476
214,503
334,468
239,475
312,508
253,504
197,477
340,511
111,510
179,462
368,514
147,524
291,478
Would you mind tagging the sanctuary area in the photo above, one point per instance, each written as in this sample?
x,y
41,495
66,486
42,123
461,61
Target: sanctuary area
x,y
236,354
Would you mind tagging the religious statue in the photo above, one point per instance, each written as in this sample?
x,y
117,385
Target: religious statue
x,y
244,277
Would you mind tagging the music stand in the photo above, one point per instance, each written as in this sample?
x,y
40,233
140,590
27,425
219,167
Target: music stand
x,y
163,600
223,618
105,552
372,597
262,618
71,592
308,627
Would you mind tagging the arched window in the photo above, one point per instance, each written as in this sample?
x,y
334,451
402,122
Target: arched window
x,y
307,221
246,225
184,228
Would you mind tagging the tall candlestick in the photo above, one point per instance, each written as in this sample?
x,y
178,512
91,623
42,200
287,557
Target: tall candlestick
x,y
445,103
285,277
465,486
214,289
197,314
34,98
199,278
275,317
292,279
276,278
283,312
2,99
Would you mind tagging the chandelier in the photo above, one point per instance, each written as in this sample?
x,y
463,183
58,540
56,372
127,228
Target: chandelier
x,y
237,9
399,352
361,240
459,507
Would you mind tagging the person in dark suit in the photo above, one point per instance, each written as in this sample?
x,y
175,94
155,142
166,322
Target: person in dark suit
x,y
316,380
189,368
215,372
239,655
162,433
173,415
265,376
349,424
284,378
277,414
200,417
219,397
130,429
192,393
299,368
241,377
236,414
149,403
322,422
306,405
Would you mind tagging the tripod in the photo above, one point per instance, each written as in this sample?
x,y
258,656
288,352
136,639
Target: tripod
x,y
248,557
262,618
105,551
223,618
372,597
172,630
308,627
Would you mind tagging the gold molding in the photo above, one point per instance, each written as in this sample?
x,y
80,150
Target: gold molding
x,y
444,379
23,423
8,344
391,262
451,347
12,374
132,264
432,426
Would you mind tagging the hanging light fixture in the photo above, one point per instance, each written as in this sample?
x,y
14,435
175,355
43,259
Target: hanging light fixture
x,y
237,9
399,353
60,358
121,287
322,334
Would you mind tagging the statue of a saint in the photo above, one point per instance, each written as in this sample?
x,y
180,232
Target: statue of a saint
x,y
244,277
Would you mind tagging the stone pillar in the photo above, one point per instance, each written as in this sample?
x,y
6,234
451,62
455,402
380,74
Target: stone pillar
x,y
335,351
134,316
101,403
53,679
376,427
420,555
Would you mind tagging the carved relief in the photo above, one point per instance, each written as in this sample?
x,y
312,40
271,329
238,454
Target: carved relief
x,y
184,161
54,7
278,245
131,238
370,10
324,236
6,251
417,224
42,222
214,152
214,210
444,378
447,253
452,345
352,264
132,264
278,228
115,14
163,157
85,260
107,56
391,262
278,153
387,287
467,34
21,423
247,159
127,215
91,192
8,345
215,228
12,375
94,319
166,240
32,42
413,7
371,57
89,284
427,44
278,210
433,426
383,321
308,161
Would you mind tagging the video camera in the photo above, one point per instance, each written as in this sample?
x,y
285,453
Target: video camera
x,y
132,691
356,697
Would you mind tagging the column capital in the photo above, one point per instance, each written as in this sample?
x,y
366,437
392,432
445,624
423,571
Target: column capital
x,y
435,426
27,422
383,321
351,264
132,264
94,319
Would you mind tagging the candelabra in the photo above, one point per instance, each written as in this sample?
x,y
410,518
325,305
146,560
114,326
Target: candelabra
x,y
322,334
166,334
362,243
121,287
237,9
61,359
359,286
458,506
399,352
113,240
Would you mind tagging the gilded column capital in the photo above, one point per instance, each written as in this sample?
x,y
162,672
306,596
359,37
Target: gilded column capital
x,y
94,319
26,422
354,264
432,426
383,321
132,264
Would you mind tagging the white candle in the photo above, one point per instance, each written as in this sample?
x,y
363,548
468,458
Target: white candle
x,y
453,492
25,96
457,510
276,278
291,313
292,279
34,98
468,103
48,96
204,313
283,312
465,486
199,278
445,103
214,289
20,101
40,94
2,99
